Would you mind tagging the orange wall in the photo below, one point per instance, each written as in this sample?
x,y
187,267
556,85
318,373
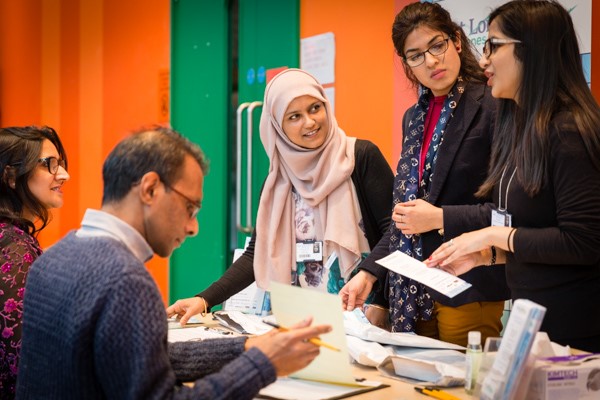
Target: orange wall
x,y
90,69
367,102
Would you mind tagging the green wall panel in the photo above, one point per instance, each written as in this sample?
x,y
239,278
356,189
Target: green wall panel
x,y
199,110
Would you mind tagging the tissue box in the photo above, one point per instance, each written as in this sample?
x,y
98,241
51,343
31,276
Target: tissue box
x,y
573,377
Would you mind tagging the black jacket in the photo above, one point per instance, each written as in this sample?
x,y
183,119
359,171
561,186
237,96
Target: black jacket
x,y
461,168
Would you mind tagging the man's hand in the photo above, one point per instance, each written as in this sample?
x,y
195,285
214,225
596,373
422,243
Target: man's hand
x,y
355,292
187,308
289,351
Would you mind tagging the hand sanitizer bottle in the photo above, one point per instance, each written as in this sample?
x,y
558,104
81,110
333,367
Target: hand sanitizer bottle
x,y
473,360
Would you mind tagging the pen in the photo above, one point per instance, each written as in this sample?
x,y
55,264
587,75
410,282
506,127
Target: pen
x,y
315,341
436,394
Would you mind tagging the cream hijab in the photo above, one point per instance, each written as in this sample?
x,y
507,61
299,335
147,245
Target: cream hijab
x,y
320,176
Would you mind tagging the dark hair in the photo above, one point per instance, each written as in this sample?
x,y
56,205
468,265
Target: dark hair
x,y
433,16
159,149
548,39
20,150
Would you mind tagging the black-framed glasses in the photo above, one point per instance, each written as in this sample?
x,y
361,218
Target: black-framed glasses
x,y
492,44
436,49
192,206
52,163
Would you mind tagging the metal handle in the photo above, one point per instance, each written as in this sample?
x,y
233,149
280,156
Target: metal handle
x,y
248,228
238,169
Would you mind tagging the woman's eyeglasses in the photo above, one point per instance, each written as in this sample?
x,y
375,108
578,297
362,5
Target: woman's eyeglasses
x,y
436,49
52,163
492,44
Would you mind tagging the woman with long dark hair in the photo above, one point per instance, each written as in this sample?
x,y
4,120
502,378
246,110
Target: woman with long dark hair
x,y
545,172
33,168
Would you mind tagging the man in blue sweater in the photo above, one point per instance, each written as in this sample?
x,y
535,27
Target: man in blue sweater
x,y
94,323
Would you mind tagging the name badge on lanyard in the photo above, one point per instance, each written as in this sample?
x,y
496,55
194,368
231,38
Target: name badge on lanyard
x,y
309,250
501,218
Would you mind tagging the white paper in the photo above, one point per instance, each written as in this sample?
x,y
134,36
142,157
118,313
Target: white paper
x,y
356,324
195,333
317,56
251,300
251,324
298,389
437,279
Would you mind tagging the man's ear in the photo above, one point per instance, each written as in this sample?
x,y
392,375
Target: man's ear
x,y
148,186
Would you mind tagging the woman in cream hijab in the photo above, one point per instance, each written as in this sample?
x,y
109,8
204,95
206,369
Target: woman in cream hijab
x,y
325,202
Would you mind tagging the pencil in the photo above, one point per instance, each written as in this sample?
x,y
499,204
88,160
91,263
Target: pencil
x,y
314,341
436,394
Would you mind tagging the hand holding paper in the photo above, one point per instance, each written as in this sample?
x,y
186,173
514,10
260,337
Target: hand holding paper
x,y
436,279
292,350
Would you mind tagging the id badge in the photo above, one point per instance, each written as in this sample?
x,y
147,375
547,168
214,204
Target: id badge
x,y
309,251
501,218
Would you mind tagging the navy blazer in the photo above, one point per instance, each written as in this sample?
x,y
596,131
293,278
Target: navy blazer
x,y
460,169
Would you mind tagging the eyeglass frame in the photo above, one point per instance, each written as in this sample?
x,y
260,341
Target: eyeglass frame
x,y
47,162
494,43
422,53
197,204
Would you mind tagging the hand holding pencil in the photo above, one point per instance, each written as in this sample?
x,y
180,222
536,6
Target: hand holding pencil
x,y
314,340
290,350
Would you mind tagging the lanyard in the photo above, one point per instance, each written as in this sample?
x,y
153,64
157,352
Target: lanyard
x,y
507,187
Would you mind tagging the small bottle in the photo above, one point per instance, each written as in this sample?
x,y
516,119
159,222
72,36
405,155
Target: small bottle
x,y
473,360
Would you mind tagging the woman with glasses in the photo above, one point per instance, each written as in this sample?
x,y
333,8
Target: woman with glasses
x,y
33,170
325,202
545,169
447,138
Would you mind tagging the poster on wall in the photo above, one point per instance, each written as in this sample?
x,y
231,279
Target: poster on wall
x,y
473,17
317,56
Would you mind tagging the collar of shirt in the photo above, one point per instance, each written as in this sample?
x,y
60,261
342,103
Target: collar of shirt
x,y
99,223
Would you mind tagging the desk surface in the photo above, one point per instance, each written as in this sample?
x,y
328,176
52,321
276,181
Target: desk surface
x,y
398,390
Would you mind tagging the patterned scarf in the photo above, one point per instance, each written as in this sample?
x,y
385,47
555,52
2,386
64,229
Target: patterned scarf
x,y
409,300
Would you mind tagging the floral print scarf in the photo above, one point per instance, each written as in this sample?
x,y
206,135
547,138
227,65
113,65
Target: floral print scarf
x,y
409,300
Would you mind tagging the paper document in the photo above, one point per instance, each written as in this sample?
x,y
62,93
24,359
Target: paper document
x,y
292,304
196,333
356,324
434,278
299,389
242,323
251,300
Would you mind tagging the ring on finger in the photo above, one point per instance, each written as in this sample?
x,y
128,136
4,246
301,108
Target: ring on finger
x,y
451,243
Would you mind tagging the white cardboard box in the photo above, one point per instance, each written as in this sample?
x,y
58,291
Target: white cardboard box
x,y
573,377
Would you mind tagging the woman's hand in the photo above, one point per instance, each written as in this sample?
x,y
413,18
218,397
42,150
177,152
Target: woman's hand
x,y
463,253
355,292
417,216
187,308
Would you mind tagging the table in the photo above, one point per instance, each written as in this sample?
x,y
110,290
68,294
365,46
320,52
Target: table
x,y
398,390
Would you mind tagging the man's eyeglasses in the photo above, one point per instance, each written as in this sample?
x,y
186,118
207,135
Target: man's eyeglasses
x,y
492,44
192,206
52,163
436,49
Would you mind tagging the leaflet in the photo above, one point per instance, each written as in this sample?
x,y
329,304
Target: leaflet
x,y
437,279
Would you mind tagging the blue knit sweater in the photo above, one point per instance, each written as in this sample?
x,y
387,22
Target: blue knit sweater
x,y
95,328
